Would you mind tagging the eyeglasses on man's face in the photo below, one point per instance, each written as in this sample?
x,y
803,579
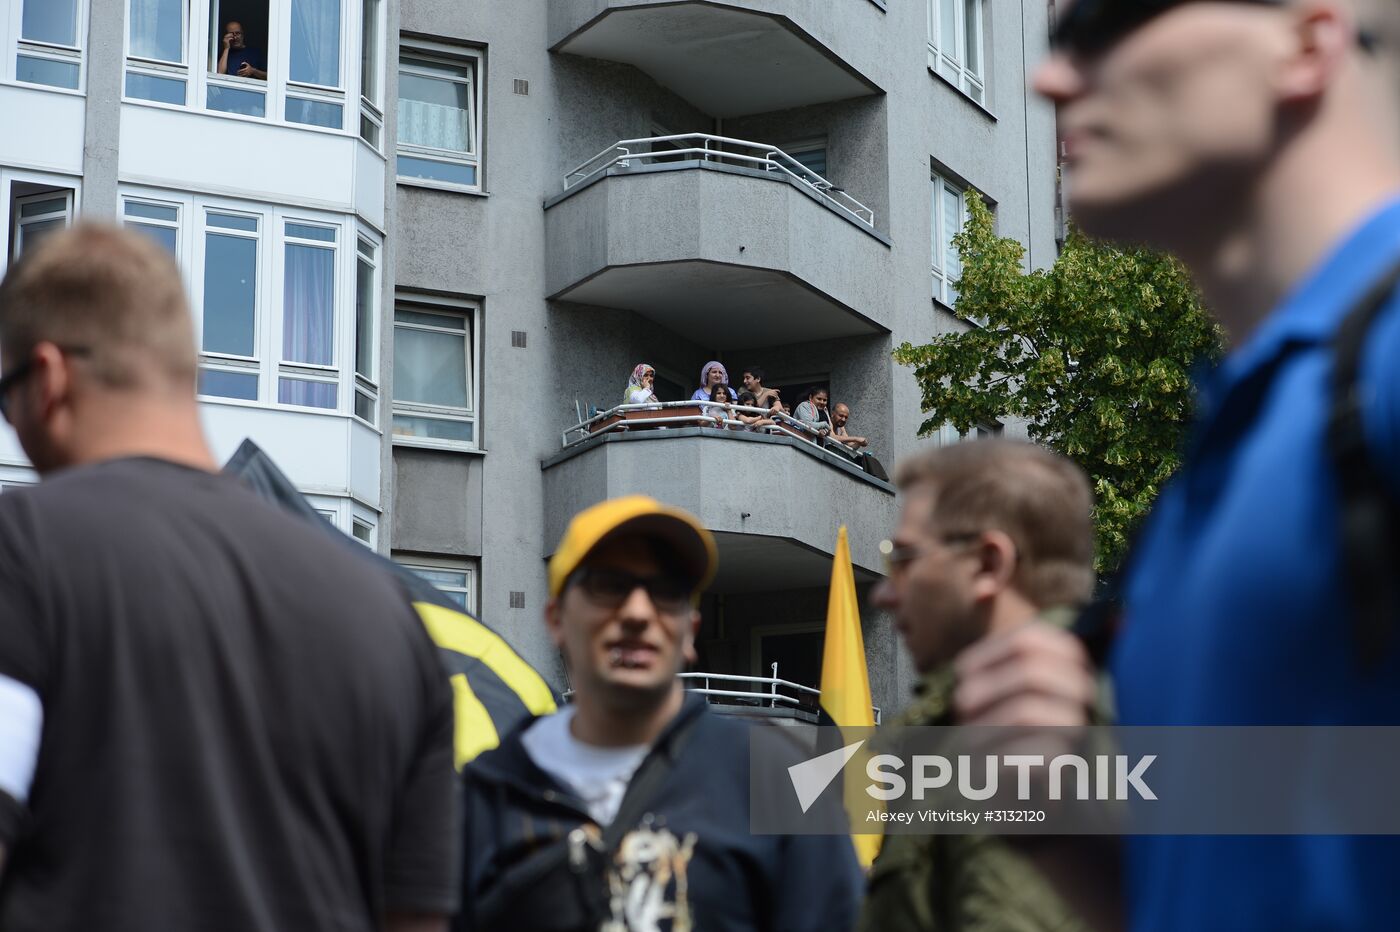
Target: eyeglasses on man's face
x,y
899,556
23,370
609,588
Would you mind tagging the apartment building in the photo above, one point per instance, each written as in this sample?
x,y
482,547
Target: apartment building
x,y
435,235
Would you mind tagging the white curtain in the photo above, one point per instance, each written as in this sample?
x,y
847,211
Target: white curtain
x,y
156,27
316,42
434,126
308,305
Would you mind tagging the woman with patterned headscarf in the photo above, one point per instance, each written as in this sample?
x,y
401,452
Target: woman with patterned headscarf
x,y
713,374
639,386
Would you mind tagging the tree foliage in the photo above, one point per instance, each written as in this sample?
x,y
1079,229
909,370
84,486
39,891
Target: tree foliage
x,y
1094,352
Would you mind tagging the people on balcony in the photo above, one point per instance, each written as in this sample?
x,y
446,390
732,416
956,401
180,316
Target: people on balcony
x,y
813,413
753,421
722,396
764,397
840,415
711,375
640,386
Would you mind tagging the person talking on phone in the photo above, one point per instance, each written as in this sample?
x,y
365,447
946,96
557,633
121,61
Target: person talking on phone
x,y
237,57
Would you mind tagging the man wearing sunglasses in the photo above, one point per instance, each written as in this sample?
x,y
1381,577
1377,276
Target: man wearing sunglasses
x,y
1259,142
629,809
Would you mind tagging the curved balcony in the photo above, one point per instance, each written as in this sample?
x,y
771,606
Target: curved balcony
x,y
732,57
773,497
706,234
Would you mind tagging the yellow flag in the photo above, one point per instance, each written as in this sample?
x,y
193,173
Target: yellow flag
x,y
846,681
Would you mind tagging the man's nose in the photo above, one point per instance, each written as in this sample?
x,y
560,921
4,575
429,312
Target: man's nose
x,y
1058,79
637,608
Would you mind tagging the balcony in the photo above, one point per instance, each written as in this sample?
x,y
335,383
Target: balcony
x,y
774,535
705,234
732,57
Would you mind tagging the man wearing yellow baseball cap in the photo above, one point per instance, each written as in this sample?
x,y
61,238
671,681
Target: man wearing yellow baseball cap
x,y
629,809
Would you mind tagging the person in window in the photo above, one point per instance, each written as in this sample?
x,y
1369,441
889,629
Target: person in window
x,y
713,374
639,386
813,413
238,58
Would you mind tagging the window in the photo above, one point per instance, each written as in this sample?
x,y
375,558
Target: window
x,y
156,67
948,434
366,318
250,41
948,212
271,286
434,375
362,531
159,221
453,578
307,376
956,44
315,90
439,118
35,213
371,107
811,153
49,49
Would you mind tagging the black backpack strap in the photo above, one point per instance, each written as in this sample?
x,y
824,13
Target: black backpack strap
x,y
1367,518
645,784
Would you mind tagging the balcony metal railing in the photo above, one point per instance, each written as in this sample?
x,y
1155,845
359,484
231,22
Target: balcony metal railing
x,y
759,691
721,417
723,150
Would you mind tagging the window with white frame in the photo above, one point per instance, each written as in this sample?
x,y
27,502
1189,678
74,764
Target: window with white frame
x,y
455,579
35,212
366,320
956,45
439,117
287,60
948,434
50,46
435,386
157,66
948,212
272,288
158,220
371,102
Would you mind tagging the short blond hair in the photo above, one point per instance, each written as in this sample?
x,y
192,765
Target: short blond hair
x,y
110,291
1038,498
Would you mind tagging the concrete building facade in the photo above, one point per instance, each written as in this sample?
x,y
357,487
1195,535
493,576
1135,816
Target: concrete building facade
x,y
438,232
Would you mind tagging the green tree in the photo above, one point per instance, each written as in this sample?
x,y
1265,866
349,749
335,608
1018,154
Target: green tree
x,y
1094,352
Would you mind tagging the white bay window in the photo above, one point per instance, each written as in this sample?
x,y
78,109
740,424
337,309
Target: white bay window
x,y
50,46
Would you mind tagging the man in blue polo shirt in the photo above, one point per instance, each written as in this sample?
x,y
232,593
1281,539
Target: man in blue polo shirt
x,y
1260,142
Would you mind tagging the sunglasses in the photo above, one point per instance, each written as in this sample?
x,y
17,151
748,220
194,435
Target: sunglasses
x,y
609,588
24,370
1091,27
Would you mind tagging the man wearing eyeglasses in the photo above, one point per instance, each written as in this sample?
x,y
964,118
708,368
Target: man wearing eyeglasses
x,y
993,534
211,717
1259,142
629,809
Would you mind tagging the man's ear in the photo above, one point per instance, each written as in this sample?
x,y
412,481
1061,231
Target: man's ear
x,y
995,553
554,622
692,632
1322,36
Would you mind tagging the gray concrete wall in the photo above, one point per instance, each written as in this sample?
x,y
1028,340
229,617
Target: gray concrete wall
x,y
102,130
814,497
437,502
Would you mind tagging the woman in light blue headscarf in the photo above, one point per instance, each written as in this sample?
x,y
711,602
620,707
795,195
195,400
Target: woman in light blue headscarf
x,y
713,374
